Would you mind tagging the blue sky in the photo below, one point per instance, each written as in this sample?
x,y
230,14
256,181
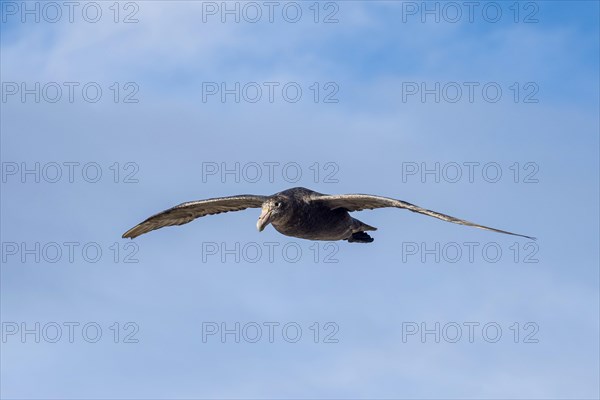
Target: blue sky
x,y
370,135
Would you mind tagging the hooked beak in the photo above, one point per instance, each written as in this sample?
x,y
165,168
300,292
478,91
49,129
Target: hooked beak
x,y
264,219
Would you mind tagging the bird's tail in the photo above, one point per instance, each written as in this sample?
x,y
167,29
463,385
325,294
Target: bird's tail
x,y
359,226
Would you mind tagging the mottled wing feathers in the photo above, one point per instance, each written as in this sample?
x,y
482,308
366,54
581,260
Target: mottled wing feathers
x,y
358,202
187,212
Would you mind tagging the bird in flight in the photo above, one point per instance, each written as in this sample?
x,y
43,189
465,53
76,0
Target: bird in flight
x,y
297,212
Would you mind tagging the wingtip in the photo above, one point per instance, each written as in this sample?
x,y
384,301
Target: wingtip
x,y
128,235
529,237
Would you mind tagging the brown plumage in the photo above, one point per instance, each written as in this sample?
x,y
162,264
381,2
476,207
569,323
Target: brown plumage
x,y
297,212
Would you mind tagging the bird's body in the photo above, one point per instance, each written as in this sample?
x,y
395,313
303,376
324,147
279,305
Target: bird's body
x,y
297,212
314,220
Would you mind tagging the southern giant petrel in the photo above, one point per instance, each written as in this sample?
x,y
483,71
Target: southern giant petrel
x,y
297,212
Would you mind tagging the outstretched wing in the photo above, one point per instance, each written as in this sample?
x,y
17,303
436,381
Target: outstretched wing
x,y
358,202
186,212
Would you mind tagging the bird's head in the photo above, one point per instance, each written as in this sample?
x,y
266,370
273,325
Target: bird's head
x,y
273,211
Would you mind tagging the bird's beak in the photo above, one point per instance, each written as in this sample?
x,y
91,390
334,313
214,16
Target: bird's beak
x,y
264,219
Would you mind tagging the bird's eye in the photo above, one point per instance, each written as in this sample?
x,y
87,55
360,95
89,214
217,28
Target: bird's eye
x,y
277,204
